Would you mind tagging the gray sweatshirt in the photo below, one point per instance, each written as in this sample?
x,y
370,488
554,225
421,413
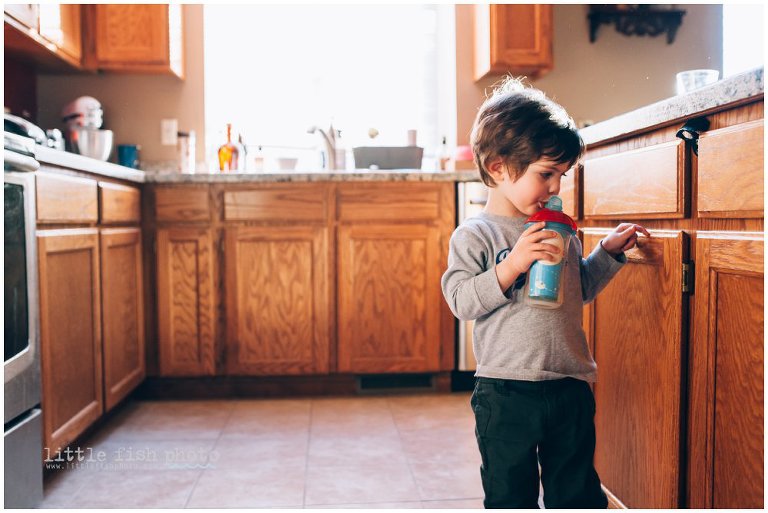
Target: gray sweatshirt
x,y
511,339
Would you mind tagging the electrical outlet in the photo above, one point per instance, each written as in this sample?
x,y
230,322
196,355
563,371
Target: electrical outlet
x,y
169,129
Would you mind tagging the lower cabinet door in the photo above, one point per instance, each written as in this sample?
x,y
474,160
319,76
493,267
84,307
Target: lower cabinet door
x,y
635,330
185,302
278,300
389,298
725,456
70,333
122,312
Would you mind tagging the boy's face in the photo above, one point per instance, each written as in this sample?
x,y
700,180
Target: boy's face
x,y
530,192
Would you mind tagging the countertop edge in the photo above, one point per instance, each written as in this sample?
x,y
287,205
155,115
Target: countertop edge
x,y
738,88
77,162
167,178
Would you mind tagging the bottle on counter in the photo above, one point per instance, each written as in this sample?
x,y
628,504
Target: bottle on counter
x,y
341,152
444,155
243,152
186,147
229,153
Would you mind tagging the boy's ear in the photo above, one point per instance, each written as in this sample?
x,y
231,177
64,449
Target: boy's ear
x,y
497,169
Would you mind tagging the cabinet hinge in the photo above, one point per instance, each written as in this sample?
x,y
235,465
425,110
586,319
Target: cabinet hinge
x,y
688,275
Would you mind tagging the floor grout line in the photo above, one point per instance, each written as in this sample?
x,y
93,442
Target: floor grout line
x,y
208,456
402,449
306,459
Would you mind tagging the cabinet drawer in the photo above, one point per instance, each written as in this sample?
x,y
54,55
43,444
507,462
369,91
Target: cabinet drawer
x,y
66,199
388,202
119,203
646,183
182,204
292,203
730,174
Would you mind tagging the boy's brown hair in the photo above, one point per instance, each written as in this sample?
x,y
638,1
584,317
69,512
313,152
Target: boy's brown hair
x,y
521,125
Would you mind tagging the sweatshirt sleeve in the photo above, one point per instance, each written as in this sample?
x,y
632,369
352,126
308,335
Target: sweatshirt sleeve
x,y
597,270
469,284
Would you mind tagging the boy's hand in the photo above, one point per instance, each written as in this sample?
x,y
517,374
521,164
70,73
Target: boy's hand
x,y
527,250
622,238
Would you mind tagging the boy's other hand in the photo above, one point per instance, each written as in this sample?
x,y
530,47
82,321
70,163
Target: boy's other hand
x,y
622,238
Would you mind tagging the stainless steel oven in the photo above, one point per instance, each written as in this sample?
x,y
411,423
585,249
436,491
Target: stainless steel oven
x,y
472,199
22,416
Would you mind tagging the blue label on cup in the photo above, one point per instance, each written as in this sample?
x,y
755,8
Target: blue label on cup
x,y
544,281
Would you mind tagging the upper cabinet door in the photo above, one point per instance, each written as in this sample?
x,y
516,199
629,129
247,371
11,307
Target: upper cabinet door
x,y
513,38
25,14
60,24
727,355
635,329
137,38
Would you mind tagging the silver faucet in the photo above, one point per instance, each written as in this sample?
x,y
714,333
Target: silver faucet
x,y
330,146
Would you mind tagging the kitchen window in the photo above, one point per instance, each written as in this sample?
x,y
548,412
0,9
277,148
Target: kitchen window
x,y
742,38
273,71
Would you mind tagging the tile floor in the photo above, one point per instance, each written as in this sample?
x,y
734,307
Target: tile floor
x,y
398,451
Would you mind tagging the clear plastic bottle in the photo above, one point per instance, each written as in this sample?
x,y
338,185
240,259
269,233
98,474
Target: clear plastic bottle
x,y
340,152
544,284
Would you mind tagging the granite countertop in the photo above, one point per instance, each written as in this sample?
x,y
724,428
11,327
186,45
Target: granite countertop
x,y
86,164
353,175
729,90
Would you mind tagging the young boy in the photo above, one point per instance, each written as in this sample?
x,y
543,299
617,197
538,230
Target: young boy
x,y
532,401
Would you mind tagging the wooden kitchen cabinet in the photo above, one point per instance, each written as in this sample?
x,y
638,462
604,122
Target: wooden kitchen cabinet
x,y
122,312
634,328
678,334
726,399
186,303
145,38
48,35
389,298
278,300
60,24
70,333
512,38
26,14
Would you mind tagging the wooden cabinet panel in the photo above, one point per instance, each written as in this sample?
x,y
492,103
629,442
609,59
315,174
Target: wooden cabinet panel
x,y
726,439
635,329
70,329
388,202
389,298
182,204
513,38
26,14
278,300
186,314
296,202
646,183
730,171
60,25
66,199
119,203
123,312
138,37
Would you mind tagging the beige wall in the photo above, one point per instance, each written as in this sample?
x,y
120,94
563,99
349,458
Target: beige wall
x,y
596,81
134,104
593,81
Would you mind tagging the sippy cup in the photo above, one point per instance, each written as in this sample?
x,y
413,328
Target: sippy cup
x,y
543,287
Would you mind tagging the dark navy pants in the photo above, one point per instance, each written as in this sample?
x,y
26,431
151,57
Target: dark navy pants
x,y
523,424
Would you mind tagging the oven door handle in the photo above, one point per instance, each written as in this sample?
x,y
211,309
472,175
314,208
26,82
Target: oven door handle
x,y
13,161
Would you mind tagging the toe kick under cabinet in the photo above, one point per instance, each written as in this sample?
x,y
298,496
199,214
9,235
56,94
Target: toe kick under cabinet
x,y
280,279
91,299
678,334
